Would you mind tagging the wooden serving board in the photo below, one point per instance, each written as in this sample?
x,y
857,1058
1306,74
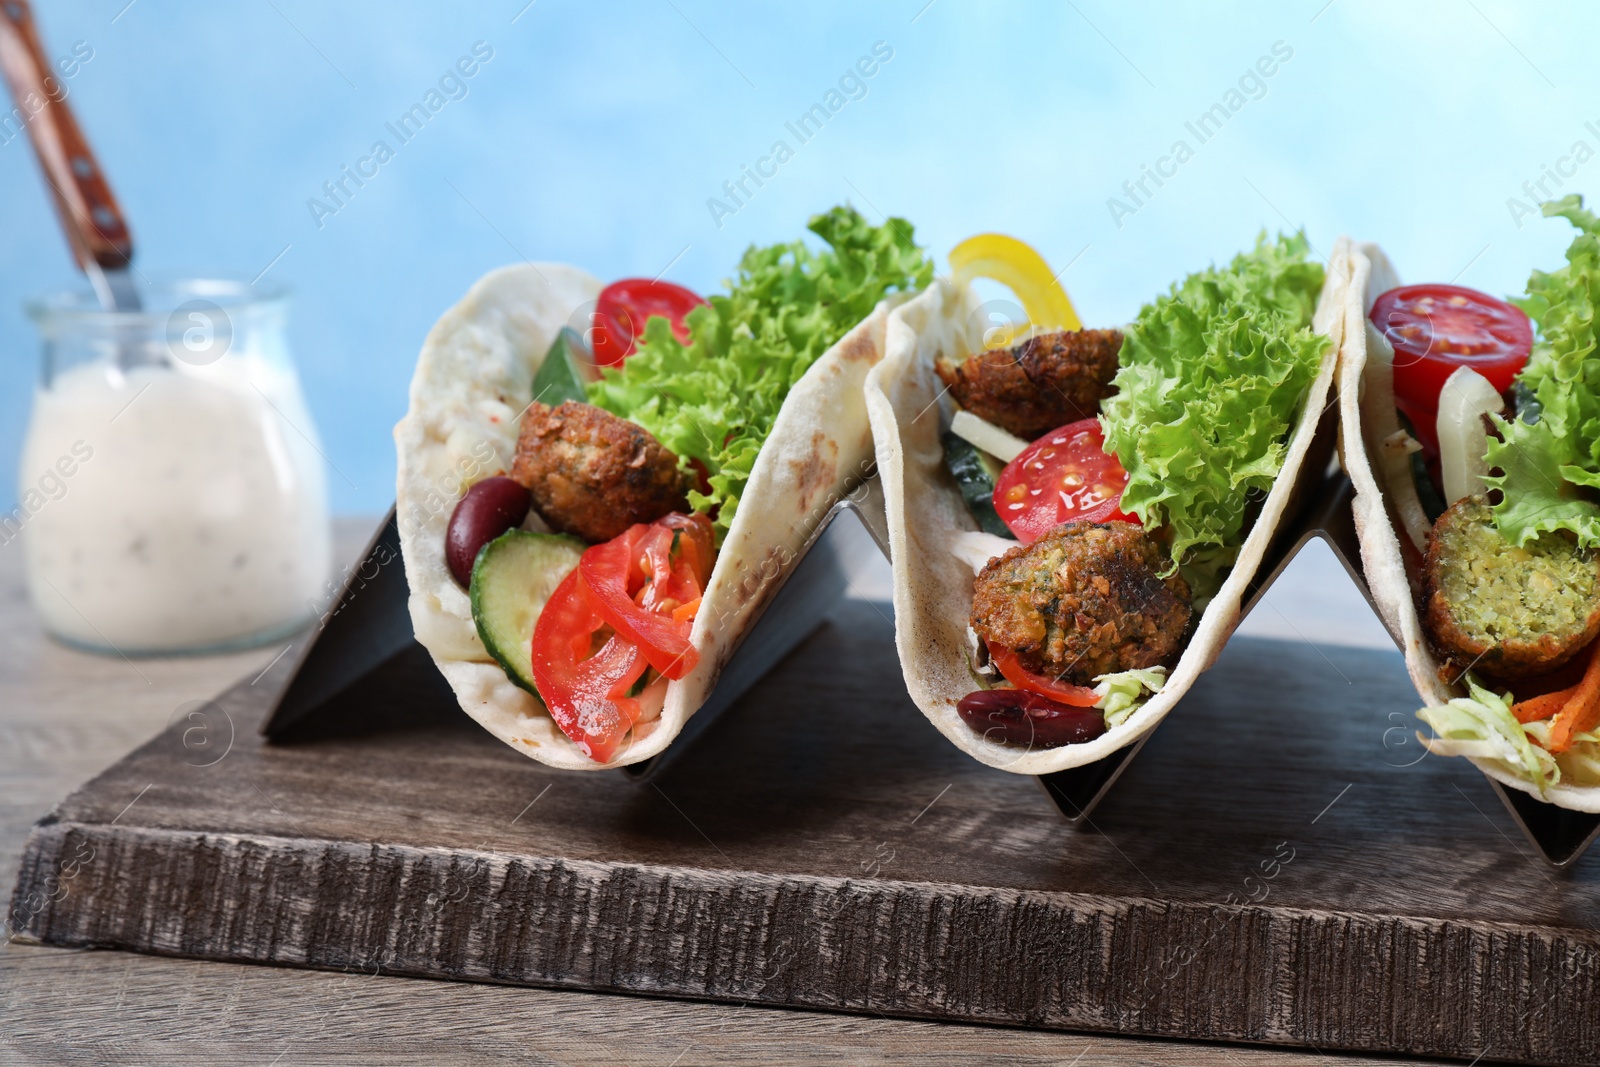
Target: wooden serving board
x,y
1278,866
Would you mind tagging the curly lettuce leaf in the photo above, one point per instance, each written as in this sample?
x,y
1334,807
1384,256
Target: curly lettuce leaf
x,y
1538,492
715,399
1213,376
1481,725
1550,466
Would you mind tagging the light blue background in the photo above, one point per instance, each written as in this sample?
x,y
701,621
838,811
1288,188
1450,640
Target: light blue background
x,y
597,133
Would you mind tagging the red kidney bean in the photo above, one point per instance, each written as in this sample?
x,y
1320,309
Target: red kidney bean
x,y
1019,717
490,508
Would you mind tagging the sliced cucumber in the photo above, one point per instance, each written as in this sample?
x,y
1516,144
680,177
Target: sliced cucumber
x,y
966,464
512,578
991,465
562,374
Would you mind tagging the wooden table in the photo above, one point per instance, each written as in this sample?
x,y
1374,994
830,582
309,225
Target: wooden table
x,y
65,716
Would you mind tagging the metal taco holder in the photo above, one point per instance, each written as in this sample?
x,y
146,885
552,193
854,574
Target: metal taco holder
x,y
1320,507
366,628
1560,835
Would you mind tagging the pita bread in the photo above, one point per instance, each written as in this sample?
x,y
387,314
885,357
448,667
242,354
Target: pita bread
x,y
473,380
1383,494
933,587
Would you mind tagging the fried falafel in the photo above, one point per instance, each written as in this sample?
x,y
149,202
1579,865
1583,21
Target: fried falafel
x,y
1085,599
593,474
1502,611
1046,381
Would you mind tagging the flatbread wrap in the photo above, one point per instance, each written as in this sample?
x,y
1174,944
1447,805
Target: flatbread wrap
x,y
1471,434
592,520
1139,473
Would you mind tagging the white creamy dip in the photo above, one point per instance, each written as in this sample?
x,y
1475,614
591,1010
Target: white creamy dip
x,y
173,507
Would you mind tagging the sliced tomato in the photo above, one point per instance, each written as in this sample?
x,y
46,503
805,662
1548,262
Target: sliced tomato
x,y
1067,474
635,596
1436,328
697,545
1011,668
584,690
623,308
644,582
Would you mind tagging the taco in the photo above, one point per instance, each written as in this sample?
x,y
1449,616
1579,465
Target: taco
x,y
591,523
1472,438
1074,517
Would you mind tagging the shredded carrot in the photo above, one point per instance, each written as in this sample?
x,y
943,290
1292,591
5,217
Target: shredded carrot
x,y
1581,712
686,612
1544,705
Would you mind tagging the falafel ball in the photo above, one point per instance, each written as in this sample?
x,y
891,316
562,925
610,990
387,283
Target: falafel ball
x,y
1045,382
1500,610
593,474
1085,599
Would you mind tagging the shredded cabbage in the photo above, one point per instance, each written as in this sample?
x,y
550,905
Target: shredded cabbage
x,y
1580,764
1122,693
1481,726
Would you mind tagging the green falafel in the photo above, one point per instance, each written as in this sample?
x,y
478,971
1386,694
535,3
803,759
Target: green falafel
x,y
1502,611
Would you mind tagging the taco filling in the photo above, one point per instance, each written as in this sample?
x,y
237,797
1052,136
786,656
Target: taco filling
x,y
1114,476
1494,474
586,561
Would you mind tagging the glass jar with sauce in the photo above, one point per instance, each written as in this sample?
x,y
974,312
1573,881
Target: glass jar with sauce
x,y
173,498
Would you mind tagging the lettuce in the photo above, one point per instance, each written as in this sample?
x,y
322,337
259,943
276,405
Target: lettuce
x,y
1482,726
1213,375
715,399
1122,693
1549,466
1580,764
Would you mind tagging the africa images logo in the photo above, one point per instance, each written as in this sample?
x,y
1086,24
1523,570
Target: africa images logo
x,y
852,85
1252,85
452,85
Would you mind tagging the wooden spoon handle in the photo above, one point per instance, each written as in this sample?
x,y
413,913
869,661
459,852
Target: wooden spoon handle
x,y
88,210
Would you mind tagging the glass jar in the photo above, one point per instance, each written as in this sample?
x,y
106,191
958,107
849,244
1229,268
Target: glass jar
x,y
173,498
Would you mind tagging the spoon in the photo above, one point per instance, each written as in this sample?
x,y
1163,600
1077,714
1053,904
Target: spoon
x,y
88,211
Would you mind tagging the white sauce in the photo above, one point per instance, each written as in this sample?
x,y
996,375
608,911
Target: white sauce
x,y
173,508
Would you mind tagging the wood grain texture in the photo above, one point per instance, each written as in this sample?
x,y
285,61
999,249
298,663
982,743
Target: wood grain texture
x,y
105,1007
823,847
65,716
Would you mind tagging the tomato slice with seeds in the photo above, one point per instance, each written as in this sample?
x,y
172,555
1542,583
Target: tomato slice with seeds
x,y
1065,475
647,584
1011,668
1436,328
635,597
623,307
584,690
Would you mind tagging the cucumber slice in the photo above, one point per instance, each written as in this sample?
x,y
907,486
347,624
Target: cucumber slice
x,y
563,373
966,464
512,578
991,465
